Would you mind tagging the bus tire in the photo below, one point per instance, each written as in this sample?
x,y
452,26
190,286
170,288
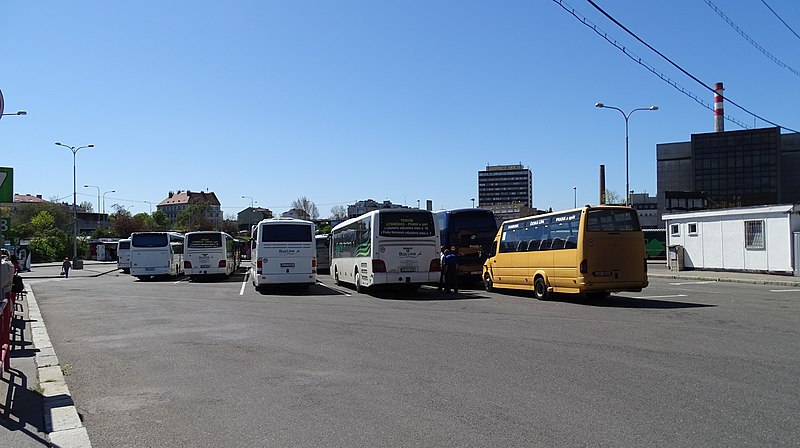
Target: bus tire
x,y
357,277
487,283
539,288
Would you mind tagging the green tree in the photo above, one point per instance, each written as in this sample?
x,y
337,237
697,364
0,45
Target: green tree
x,y
160,220
123,224
193,218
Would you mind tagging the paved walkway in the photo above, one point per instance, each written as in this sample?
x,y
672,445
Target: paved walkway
x,y
53,270
660,270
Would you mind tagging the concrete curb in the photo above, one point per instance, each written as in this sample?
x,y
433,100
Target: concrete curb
x,y
62,423
711,278
25,277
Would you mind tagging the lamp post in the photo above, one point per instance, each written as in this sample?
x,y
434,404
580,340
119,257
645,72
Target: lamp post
x,y
627,117
98,195
252,201
104,198
74,150
19,112
2,103
575,197
473,202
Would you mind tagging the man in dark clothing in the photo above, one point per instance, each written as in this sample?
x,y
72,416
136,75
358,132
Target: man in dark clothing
x,y
450,268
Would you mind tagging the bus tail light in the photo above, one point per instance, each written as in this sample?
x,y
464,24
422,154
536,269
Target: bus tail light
x,y
187,264
313,265
259,266
378,266
435,266
222,263
584,267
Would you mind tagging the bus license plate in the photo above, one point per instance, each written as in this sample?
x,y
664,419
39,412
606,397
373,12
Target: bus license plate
x,y
287,265
205,265
408,269
149,269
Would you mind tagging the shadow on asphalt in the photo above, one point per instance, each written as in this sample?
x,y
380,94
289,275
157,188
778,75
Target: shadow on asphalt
x,y
608,302
298,290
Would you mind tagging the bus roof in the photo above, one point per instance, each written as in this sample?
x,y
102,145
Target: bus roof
x,y
579,209
379,211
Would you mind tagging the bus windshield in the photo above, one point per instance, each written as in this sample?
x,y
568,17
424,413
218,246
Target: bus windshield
x,y
608,220
473,220
405,224
204,240
285,233
149,240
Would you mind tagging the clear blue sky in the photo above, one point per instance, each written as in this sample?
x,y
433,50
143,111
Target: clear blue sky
x,y
347,100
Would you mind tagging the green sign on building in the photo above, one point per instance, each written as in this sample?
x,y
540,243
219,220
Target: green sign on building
x,y
6,184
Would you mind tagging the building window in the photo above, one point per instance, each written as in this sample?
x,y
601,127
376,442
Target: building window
x,y
754,235
674,230
692,228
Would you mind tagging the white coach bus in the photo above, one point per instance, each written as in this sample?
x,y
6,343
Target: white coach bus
x,y
156,254
396,247
283,252
124,255
210,253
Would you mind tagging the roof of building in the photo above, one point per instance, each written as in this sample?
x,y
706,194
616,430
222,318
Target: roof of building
x,y
738,211
28,198
189,197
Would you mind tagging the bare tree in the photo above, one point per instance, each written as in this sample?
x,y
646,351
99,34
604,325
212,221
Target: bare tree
x,y
306,205
613,198
338,212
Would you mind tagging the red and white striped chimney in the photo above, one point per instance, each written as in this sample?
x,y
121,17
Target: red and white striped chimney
x,y
719,109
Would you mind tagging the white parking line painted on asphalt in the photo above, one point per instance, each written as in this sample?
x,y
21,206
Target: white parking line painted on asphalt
x,y
694,283
183,280
244,284
784,290
660,297
334,289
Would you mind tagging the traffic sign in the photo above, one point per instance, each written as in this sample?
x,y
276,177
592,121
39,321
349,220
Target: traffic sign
x,y
6,184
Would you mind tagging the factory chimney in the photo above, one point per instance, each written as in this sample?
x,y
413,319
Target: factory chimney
x,y
719,109
602,184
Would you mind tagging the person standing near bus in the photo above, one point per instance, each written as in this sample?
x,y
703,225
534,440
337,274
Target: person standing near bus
x,y
6,273
442,253
65,267
451,270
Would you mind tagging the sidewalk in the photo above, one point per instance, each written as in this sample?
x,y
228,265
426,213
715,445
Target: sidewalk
x,y
91,268
658,269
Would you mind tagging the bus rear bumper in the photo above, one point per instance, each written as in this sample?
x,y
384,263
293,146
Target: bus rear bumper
x,y
281,279
403,278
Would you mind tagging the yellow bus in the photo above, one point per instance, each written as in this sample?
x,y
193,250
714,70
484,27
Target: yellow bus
x,y
591,250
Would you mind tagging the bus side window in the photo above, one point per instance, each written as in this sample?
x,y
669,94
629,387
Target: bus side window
x,y
533,245
570,243
558,243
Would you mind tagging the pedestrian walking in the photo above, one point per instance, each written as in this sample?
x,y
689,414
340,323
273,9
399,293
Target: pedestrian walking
x,y
451,270
442,253
65,267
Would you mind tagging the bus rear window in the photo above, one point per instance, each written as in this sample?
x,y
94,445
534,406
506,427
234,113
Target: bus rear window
x,y
612,221
149,240
404,224
204,240
124,245
286,233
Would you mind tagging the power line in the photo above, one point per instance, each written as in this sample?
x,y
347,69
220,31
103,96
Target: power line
x,y
711,89
779,18
644,63
749,39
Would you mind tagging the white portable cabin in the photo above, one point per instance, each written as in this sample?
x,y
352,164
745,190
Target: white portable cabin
x,y
759,239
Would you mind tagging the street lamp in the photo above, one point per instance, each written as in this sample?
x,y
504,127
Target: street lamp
x,y
98,195
19,112
150,204
104,198
251,200
74,150
574,197
626,116
473,202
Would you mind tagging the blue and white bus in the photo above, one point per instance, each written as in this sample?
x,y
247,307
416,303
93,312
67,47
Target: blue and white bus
x,y
393,247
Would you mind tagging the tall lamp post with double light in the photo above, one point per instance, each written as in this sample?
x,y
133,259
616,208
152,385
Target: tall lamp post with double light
x,y
252,201
627,117
74,150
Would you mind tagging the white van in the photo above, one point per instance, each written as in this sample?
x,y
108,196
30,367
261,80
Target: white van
x,y
283,252
124,255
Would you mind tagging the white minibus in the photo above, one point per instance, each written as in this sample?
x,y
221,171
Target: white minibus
x,y
124,255
283,252
156,254
210,253
398,247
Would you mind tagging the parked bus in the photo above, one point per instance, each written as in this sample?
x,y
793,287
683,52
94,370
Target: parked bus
x,y
323,254
156,254
471,231
283,251
124,255
397,247
591,250
210,253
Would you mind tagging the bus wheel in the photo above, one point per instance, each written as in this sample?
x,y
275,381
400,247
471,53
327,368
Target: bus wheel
x,y
487,283
539,288
357,277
